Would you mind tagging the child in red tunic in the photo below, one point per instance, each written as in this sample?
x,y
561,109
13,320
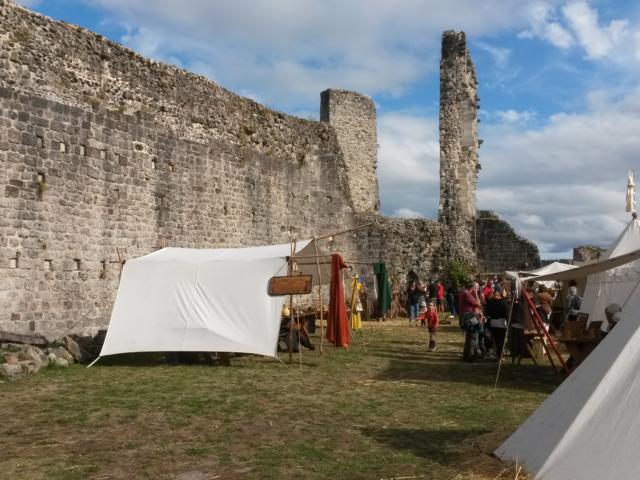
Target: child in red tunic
x,y
422,317
432,324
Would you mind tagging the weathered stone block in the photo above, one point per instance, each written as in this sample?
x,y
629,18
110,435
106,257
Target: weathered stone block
x,y
29,367
11,371
78,353
11,191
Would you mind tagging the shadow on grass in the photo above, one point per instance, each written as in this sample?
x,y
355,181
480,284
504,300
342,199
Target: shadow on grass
x,y
408,363
145,359
150,359
435,445
523,377
159,359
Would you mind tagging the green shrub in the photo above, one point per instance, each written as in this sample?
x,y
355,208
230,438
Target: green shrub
x,y
459,273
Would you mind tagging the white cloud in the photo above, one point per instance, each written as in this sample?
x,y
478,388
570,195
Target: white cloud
x,y
408,164
500,55
577,24
563,184
146,42
598,41
543,24
514,116
531,220
406,213
560,184
290,50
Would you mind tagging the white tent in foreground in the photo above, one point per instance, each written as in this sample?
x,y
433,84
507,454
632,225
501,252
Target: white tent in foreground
x,y
185,299
589,428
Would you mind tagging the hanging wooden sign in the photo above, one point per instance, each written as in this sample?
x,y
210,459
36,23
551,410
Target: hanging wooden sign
x,y
290,285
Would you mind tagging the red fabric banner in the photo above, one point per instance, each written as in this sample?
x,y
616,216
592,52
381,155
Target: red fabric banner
x,y
337,327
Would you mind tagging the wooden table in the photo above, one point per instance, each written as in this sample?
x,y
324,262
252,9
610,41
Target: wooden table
x,y
579,348
308,319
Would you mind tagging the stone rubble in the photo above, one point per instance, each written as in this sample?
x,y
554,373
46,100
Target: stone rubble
x,y
20,359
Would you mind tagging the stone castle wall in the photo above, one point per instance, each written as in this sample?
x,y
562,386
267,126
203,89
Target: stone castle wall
x,y
83,190
106,156
353,117
500,248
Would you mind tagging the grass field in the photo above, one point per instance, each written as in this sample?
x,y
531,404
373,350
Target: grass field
x,y
386,408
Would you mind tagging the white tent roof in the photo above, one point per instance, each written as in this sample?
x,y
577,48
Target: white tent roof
x,y
589,268
588,429
552,268
186,299
615,285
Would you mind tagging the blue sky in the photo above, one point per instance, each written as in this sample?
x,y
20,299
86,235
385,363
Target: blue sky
x,y
559,89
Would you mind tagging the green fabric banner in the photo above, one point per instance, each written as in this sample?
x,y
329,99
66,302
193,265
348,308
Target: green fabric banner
x,y
384,288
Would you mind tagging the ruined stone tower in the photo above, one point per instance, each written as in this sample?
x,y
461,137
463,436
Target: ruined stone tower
x,y
353,116
458,144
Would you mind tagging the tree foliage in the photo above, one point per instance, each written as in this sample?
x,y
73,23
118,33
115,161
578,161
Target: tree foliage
x,y
458,273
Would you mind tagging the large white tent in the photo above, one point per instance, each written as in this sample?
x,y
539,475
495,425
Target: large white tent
x,y
184,299
588,429
615,285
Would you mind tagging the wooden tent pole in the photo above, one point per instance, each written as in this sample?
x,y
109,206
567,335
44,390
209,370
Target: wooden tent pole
x,y
506,337
320,299
293,249
344,288
299,339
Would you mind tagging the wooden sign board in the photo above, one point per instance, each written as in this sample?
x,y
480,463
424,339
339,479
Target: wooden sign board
x,y
291,285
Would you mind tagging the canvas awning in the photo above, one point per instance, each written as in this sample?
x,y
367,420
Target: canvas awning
x,y
590,268
554,267
214,300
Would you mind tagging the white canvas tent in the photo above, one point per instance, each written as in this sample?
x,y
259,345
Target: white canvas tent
x,y
553,267
613,286
184,299
588,429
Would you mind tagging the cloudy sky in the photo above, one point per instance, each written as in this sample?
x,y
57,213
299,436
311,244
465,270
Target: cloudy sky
x,y
559,89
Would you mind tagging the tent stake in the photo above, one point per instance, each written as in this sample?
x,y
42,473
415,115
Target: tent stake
x,y
278,358
92,363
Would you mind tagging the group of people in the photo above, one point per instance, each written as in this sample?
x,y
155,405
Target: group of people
x,y
483,312
484,306
486,316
